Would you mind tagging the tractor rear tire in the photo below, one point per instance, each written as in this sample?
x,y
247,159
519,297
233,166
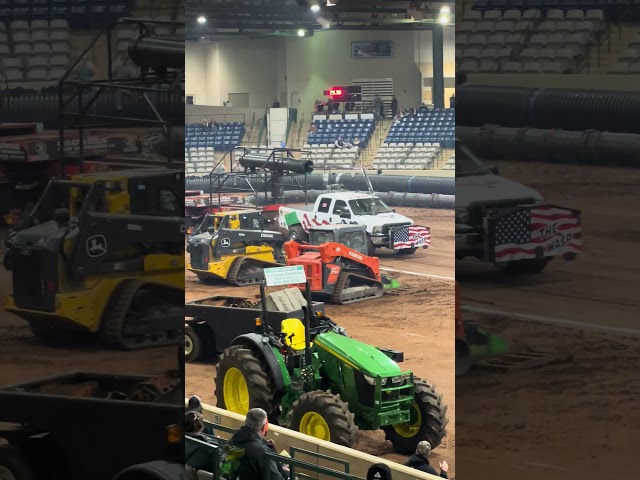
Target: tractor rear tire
x,y
192,345
326,415
13,466
260,387
429,425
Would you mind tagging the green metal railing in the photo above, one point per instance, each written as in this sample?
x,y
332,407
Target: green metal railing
x,y
205,456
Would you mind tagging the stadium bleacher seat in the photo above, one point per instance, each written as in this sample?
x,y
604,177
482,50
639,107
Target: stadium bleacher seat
x,y
416,142
322,141
202,143
531,39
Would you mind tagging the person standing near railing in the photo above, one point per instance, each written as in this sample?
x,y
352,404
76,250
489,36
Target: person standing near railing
x,y
250,438
420,461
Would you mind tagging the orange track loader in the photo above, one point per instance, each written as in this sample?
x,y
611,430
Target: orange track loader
x,y
336,264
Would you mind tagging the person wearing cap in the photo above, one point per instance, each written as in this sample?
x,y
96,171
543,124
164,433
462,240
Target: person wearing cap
x,y
420,461
194,404
254,464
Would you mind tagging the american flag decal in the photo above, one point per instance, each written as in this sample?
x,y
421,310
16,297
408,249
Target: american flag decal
x,y
543,231
411,237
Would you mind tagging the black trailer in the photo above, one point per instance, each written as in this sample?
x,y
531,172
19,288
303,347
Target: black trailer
x,y
212,323
92,426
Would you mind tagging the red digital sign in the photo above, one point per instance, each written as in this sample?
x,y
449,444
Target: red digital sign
x,y
335,92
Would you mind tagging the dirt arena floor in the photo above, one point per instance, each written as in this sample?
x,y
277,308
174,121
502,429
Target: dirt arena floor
x,y
420,324
576,419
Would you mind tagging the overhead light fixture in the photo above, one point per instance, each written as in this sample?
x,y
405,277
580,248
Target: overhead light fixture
x,y
445,15
329,4
314,6
301,33
202,19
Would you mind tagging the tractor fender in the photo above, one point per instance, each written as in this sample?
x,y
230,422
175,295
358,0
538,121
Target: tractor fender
x,y
157,470
258,341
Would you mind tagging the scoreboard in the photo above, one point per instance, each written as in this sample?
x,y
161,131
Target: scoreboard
x,y
350,93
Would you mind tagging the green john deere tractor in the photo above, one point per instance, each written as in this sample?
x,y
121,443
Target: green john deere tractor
x,y
318,381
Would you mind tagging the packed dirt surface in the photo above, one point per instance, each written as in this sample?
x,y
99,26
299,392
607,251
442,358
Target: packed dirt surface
x,y
420,324
573,419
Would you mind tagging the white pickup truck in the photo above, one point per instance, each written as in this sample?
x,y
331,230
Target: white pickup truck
x,y
384,227
503,222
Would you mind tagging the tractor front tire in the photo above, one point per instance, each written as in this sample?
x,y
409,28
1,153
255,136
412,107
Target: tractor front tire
x,y
243,382
324,415
428,421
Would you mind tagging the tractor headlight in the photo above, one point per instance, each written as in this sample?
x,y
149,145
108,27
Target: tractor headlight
x,y
372,381
462,215
399,379
377,230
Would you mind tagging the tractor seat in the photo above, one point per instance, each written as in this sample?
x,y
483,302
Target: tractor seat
x,y
293,330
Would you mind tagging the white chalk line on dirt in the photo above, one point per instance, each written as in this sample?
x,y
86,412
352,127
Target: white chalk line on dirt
x,y
417,274
554,321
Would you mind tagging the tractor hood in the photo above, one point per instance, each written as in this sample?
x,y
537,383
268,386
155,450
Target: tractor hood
x,y
360,356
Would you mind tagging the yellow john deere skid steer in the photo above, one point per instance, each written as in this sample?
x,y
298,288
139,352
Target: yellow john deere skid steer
x,y
235,248
103,253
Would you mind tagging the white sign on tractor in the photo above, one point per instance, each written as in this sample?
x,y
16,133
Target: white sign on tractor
x,y
284,275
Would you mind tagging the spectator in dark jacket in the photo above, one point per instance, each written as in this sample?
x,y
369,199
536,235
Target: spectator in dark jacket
x,y
420,461
250,438
394,107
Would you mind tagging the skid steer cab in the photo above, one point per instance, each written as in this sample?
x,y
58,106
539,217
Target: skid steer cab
x,y
234,247
316,380
97,253
336,263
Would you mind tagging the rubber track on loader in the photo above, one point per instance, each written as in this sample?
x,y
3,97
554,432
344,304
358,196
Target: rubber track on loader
x,y
248,271
343,295
115,316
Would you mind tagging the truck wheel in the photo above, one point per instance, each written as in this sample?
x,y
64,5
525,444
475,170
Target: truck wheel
x,y
325,416
371,248
536,265
243,381
297,234
428,421
407,251
13,465
192,345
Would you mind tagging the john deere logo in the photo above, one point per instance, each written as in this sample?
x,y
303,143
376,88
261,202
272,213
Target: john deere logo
x,y
225,242
96,246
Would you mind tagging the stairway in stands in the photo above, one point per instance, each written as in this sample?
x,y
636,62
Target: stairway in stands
x,y
620,39
379,134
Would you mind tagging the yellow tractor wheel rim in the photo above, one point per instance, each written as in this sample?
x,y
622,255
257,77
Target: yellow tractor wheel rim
x,y
235,392
410,429
314,425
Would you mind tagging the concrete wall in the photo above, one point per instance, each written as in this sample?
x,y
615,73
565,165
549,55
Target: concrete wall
x,y
301,68
630,83
359,462
315,64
